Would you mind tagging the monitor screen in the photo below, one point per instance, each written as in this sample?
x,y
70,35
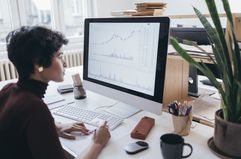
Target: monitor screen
x,y
125,59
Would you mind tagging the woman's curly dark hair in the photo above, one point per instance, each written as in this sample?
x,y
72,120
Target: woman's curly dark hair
x,y
27,46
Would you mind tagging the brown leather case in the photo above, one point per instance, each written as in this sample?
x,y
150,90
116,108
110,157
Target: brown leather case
x,y
143,128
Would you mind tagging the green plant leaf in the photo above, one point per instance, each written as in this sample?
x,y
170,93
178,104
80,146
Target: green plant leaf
x,y
204,51
215,17
202,67
236,52
238,83
223,63
238,102
229,66
228,12
239,119
236,58
238,107
219,54
183,53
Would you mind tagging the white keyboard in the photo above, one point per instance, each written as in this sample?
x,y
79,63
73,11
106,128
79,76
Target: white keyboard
x,y
88,116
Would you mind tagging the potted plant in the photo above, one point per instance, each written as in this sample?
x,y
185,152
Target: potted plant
x,y
227,138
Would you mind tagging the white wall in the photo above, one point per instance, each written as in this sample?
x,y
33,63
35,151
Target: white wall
x,y
185,7
103,8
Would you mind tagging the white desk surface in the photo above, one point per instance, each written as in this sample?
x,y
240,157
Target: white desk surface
x,y
120,136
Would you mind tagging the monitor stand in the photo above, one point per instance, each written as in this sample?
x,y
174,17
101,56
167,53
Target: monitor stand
x,y
193,82
194,94
123,110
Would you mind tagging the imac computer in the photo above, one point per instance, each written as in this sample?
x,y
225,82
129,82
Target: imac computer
x,y
125,59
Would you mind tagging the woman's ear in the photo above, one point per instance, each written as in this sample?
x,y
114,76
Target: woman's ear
x,y
39,68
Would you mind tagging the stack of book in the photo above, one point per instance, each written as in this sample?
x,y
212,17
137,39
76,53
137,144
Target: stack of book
x,y
149,9
143,9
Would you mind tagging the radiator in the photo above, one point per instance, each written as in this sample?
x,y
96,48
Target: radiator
x,y
8,71
73,58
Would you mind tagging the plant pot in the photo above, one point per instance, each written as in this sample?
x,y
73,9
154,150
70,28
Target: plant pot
x,y
227,136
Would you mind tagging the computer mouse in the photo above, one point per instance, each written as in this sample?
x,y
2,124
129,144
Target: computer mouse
x,y
136,147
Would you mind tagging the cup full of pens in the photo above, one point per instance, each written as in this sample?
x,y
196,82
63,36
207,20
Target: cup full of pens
x,y
181,117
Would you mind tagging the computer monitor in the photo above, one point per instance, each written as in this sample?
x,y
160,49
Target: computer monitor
x,y
125,59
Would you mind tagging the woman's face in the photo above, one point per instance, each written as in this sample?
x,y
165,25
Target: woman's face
x,y
55,72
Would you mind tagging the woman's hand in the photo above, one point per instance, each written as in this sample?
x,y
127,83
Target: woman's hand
x,y
101,135
100,138
65,130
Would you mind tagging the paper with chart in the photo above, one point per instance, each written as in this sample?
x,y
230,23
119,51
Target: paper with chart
x,y
124,54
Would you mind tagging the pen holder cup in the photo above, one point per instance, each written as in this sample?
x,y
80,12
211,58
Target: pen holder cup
x,y
182,124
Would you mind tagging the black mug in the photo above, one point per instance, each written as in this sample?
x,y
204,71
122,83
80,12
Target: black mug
x,y
172,146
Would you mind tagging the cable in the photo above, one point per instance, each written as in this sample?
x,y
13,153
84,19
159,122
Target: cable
x,y
106,106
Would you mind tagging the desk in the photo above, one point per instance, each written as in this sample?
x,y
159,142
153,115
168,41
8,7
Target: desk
x,y
198,137
120,137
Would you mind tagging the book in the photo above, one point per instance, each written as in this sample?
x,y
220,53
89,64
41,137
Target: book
x,y
143,9
144,13
154,12
123,12
150,4
149,9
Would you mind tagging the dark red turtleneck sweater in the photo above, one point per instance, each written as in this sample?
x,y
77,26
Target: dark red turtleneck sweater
x,y
27,128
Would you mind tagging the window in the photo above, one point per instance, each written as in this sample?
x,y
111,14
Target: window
x,y
38,12
73,17
76,7
64,15
5,20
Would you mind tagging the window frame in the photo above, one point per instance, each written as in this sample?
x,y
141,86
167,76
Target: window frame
x,y
18,18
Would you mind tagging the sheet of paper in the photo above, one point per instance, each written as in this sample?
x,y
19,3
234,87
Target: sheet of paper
x,y
81,143
205,108
55,101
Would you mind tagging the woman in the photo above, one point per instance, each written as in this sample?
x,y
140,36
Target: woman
x,y
27,128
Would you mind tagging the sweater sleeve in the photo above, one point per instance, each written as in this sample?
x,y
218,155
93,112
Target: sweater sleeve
x,y
41,134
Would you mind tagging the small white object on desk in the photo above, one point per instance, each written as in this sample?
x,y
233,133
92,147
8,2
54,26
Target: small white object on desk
x,y
53,99
56,101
